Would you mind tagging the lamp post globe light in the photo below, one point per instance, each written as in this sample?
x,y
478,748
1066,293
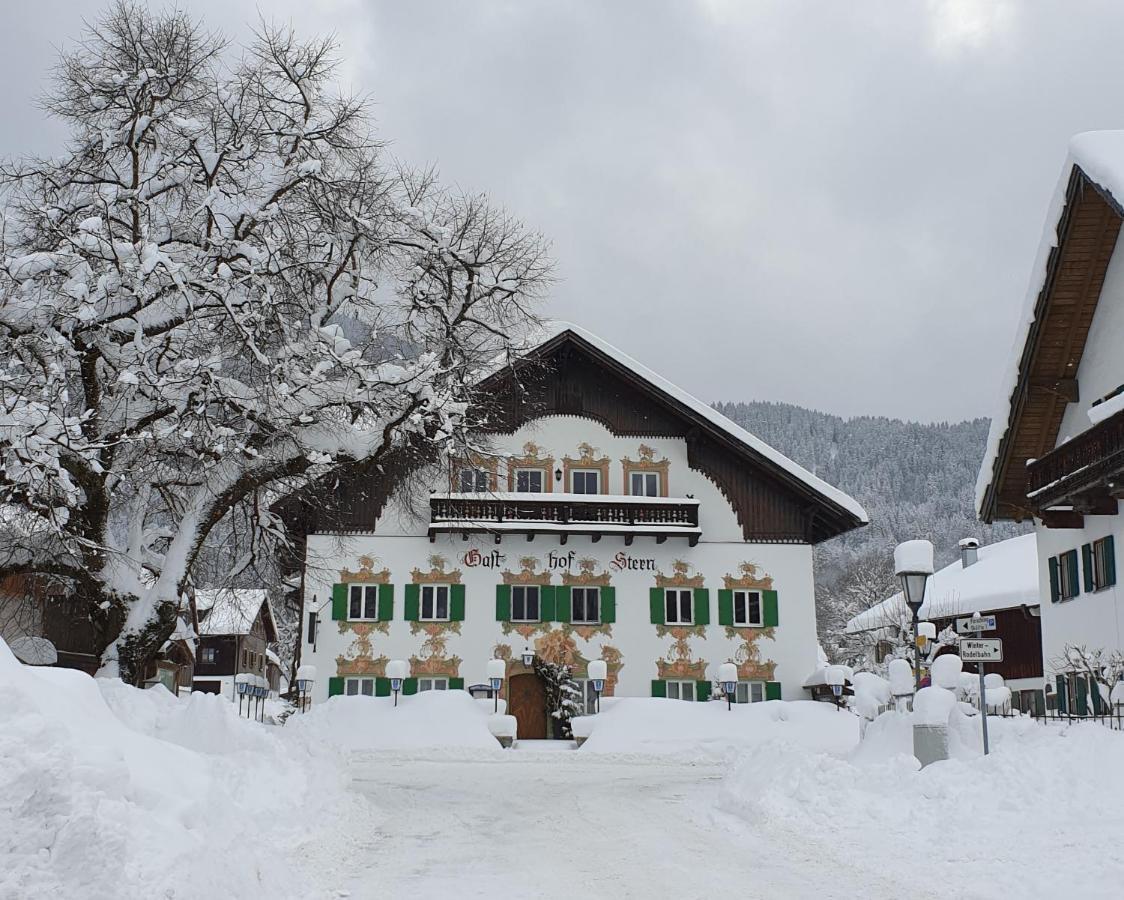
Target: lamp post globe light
x,y
598,672
497,671
528,657
306,676
835,677
913,564
397,670
728,675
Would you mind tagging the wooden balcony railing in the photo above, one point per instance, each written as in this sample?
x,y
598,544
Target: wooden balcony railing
x,y
1078,468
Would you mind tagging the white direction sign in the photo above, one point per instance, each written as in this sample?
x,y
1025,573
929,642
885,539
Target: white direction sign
x,y
981,649
972,623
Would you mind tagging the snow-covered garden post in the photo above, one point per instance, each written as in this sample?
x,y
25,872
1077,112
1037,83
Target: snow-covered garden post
x,y
913,564
219,292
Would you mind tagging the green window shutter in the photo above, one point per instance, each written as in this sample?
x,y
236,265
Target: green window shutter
x,y
456,603
563,608
702,690
1055,582
772,689
503,602
382,687
339,602
1095,696
1087,567
546,603
1074,578
770,614
655,599
413,602
335,686
1082,704
1109,561
1063,697
386,602
409,686
456,684
659,687
702,606
608,605
726,608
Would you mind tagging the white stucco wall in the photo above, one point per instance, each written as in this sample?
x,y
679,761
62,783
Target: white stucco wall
x,y
400,545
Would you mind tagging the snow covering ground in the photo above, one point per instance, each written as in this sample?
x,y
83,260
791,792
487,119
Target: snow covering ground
x,y
108,791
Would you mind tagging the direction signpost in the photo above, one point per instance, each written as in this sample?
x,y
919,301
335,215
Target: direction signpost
x,y
975,623
980,651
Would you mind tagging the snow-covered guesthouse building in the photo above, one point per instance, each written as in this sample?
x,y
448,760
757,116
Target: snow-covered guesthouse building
x,y
999,580
614,517
1055,453
236,627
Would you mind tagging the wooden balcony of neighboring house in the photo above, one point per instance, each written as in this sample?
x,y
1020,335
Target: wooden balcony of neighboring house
x,y
563,515
1084,476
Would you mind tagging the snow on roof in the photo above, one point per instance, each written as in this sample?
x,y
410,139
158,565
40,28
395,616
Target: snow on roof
x,y
229,610
1100,155
552,330
1004,576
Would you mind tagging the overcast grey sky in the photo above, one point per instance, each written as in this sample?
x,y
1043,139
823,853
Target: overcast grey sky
x,y
835,204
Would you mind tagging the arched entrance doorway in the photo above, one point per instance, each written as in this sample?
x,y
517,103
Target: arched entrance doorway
x,y
526,701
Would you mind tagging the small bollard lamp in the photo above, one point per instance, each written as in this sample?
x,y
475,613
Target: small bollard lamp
x,y
598,671
242,686
528,657
397,671
306,676
497,671
728,676
835,677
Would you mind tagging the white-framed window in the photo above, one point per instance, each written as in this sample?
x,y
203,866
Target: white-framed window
x,y
585,605
644,484
359,687
207,655
677,607
587,701
1104,567
681,690
525,603
362,602
433,684
1068,583
530,481
749,692
434,603
747,608
585,481
475,480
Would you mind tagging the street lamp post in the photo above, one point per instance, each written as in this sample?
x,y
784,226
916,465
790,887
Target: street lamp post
x,y
913,564
728,675
306,675
598,671
497,671
396,671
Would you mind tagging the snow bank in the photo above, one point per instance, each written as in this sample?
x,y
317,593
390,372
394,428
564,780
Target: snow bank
x,y
977,825
658,726
431,719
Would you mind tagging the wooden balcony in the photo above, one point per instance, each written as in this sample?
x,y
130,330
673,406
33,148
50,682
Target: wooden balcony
x,y
596,515
1085,473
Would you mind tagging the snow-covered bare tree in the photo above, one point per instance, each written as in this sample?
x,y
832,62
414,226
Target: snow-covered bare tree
x,y
173,300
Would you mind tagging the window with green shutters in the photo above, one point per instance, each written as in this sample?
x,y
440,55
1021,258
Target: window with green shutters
x,y
434,603
679,606
1098,564
1065,576
739,608
524,603
362,602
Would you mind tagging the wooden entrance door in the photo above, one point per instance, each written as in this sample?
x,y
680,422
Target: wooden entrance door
x,y
527,702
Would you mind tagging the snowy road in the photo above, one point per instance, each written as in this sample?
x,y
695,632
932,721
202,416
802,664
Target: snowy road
x,y
556,823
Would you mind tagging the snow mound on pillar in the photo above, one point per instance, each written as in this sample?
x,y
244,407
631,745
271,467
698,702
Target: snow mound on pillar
x,y
431,719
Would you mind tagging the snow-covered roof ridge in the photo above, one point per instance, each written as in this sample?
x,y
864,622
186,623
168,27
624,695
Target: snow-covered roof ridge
x,y
1004,576
553,329
230,610
1100,155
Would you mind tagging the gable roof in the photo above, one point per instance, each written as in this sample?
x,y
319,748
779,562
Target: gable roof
x,y
1004,576
1081,230
233,611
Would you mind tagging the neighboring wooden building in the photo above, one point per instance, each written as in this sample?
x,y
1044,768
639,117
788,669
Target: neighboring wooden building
x,y
236,627
614,517
1055,454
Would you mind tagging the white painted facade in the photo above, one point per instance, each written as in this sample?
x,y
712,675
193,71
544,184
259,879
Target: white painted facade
x,y
639,651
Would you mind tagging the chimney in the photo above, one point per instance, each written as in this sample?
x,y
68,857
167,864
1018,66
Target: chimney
x,y
969,552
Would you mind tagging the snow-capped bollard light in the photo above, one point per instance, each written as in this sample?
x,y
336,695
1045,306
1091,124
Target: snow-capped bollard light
x,y
497,671
306,677
901,682
528,657
598,672
835,677
397,670
243,685
728,675
913,564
